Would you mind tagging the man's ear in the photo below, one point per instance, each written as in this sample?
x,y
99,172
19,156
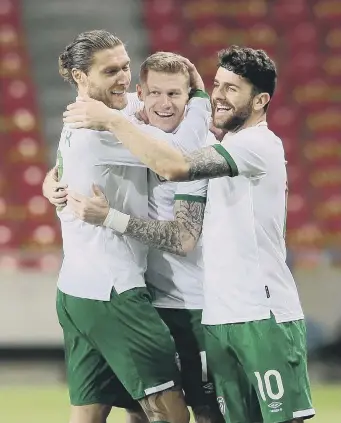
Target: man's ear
x,y
139,92
260,101
78,76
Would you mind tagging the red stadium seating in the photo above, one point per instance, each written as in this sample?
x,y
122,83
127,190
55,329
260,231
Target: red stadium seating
x,y
322,151
289,13
23,210
332,37
327,12
302,38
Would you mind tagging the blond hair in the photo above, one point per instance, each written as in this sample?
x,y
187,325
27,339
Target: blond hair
x,y
163,62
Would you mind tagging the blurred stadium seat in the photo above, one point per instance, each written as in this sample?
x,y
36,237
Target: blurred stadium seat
x,y
289,13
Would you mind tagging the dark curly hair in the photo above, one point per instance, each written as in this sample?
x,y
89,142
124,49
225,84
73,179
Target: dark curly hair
x,y
253,65
79,54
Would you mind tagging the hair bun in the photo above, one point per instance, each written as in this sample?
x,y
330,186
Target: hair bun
x,y
64,59
64,65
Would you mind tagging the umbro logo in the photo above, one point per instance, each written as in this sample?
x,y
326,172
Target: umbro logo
x,y
208,388
275,406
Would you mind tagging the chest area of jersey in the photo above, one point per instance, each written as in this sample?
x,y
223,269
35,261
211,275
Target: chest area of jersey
x,y
161,197
228,192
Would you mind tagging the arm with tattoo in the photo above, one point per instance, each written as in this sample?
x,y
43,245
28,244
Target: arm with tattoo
x,y
157,155
166,160
178,236
206,163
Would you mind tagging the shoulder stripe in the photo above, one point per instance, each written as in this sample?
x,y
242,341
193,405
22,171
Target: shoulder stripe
x,y
227,156
198,94
188,197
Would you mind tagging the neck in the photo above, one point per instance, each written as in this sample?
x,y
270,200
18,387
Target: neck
x,y
253,120
82,92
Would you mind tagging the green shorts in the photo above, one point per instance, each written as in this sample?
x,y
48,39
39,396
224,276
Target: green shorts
x,y
260,370
115,350
187,331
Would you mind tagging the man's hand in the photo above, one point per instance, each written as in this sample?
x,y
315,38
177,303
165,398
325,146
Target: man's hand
x,y
218,133
141,115
88,113
93,209
196,82
54,191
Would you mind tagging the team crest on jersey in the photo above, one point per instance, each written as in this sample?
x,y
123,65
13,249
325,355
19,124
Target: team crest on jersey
x,y
222,405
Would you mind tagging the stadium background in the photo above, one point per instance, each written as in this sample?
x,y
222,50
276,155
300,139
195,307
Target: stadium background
x,y
303,36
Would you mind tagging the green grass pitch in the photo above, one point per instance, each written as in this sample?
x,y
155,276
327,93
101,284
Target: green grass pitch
x,y
50,404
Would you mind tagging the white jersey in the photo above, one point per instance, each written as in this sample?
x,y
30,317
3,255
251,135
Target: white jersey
x,y
175,281
134,104
246,276
95,259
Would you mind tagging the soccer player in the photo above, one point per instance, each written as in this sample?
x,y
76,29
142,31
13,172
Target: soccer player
x,y
175,282
115,341
254,324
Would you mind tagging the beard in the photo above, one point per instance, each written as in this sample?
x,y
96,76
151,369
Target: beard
x,y
237,118
97,94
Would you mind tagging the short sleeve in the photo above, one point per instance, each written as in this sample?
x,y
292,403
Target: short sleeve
x,y
247,153
192,191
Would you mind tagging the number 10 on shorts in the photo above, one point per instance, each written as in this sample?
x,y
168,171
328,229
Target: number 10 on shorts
x,y
267,383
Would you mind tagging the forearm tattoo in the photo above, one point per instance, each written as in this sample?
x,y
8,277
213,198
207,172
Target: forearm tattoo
x,y
207,163
177,236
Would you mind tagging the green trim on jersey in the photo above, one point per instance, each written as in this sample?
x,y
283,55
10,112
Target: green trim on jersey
x,y
198,94
188,197
227,156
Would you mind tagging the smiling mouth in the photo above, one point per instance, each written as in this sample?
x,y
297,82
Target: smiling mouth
x,y
222,109
164,115
118,93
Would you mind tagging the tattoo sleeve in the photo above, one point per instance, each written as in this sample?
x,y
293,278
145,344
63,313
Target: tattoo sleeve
x,y
178,236
206,163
